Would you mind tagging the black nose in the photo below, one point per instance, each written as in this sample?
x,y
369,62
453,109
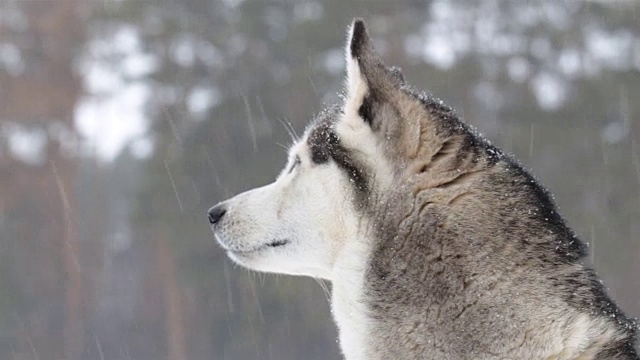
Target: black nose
x,y
216,213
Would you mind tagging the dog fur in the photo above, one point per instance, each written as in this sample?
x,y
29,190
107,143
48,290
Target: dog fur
x,y
438,245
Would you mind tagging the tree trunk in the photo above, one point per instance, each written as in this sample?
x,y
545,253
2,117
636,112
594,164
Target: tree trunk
x,y
172,299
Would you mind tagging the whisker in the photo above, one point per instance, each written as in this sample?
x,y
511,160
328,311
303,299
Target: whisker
x,y
290,130
283,146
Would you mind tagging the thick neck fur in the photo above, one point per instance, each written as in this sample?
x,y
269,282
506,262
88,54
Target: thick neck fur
x,y
457,242
348,302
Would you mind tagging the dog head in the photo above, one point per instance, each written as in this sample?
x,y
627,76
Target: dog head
x,y
341,171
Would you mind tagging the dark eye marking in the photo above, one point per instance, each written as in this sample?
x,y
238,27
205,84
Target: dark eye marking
x,y
296,162
325,146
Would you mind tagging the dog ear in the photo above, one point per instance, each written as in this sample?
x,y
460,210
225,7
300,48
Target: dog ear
x,y
369,81
357,49
377,98
361,57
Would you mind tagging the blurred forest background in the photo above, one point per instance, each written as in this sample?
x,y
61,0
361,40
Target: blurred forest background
x,y
123,121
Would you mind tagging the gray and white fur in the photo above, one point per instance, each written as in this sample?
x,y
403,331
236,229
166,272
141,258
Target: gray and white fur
x,y
438,245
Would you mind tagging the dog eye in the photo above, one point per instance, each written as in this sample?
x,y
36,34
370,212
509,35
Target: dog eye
x,y
296,162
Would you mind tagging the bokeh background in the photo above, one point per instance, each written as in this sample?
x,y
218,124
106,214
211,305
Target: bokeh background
x,y
122,121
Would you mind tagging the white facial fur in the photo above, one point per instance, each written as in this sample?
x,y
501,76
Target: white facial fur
x,y
312,207
307,207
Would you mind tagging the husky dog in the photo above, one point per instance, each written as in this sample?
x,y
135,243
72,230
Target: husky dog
x,y
438,245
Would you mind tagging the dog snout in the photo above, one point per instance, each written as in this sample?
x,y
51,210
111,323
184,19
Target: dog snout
x,y
216,213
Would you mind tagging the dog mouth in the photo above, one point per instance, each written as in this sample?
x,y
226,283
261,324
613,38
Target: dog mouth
x,y
251,251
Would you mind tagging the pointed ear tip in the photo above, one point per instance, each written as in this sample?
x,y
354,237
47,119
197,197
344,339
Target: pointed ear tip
x,y
358,23
358,29
358,37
